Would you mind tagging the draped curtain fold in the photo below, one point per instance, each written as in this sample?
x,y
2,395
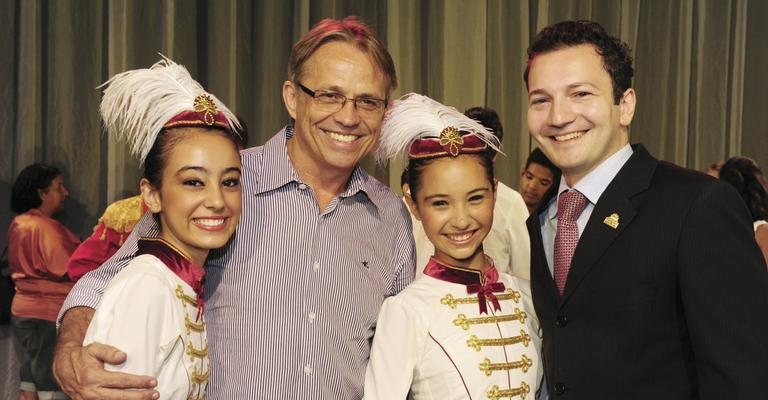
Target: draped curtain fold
x,y
699,73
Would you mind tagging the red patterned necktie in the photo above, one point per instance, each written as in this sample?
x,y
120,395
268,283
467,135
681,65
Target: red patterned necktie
x,y
569,207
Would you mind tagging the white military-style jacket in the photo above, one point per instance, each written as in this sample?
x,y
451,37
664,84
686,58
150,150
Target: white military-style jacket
x,y
456,333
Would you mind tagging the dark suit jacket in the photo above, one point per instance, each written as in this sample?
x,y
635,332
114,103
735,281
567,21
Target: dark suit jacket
x,y
670,304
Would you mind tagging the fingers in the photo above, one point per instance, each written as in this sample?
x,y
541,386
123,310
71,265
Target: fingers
x,y
106,353
81,374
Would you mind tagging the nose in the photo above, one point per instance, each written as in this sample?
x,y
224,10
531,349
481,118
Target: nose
x,y
560,113
214,198
460,217
348,114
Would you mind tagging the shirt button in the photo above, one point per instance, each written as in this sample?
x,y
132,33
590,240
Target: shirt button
x,y
316,266
302,186
307,370
561,321
560,388
311,316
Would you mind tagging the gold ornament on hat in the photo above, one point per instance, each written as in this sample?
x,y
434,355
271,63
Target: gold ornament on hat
x,y
451,140
204,104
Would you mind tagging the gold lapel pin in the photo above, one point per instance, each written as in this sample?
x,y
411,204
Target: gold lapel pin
x,y
612,220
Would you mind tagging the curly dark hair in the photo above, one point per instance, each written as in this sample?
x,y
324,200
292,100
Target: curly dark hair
x,y
617,58
745,175
25,192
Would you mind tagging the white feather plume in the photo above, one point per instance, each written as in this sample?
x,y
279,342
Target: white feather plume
x,y
137,103
415,116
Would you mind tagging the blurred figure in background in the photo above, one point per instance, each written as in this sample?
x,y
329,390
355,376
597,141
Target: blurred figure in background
x,y
113,228
714,168
38,249
745,175
536,178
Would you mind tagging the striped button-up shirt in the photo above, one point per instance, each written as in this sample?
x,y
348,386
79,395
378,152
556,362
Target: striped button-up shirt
x,y
293,300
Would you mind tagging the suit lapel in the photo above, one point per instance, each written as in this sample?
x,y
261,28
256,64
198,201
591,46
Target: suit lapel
x,y
539,265
612,214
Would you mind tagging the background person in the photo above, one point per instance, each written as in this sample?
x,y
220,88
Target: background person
x,y
108,235
746,176
537,178
38,249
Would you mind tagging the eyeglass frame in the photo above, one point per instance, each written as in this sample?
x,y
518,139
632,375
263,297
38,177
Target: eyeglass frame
x,y
314,94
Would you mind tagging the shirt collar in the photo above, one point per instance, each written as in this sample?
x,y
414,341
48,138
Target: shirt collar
x,y
279,171
596,181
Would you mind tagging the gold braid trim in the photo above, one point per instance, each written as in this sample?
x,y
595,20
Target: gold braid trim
x,y
464,322
488,367
495,393
451,301
122,215
192,352
475,343
184,298
198,377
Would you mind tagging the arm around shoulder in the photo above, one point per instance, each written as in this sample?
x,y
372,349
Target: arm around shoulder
x,y
80,370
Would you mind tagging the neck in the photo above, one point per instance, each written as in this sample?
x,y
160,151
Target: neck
x,y
48,212
326,183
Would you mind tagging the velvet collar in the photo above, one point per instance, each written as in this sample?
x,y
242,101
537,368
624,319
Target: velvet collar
x,y
176,261
485,284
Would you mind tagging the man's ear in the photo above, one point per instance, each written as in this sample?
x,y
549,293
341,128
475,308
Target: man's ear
x,y
150,195
290,98
410,202
627,107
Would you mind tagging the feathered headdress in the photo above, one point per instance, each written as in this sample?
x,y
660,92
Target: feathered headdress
x,y
140,103
419,127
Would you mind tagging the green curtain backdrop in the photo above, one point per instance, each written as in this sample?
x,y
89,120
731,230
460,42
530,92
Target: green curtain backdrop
x,y
700,72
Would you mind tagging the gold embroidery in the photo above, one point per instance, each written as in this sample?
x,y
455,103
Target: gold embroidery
x,y
450,137
204,104
464,322
184,298
192,352
488,367
451,301
198,378
122,215
476,343
495,393
191,326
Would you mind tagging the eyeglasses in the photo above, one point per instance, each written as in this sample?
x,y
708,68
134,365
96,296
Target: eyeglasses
x,y
333,102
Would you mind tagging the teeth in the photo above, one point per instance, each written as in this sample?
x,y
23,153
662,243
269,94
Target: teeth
x,y
209,222
568,136
341,137
460,237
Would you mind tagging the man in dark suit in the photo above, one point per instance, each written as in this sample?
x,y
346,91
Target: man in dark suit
x,y
646,277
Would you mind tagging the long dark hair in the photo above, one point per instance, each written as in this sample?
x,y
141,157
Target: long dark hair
x,y
745,175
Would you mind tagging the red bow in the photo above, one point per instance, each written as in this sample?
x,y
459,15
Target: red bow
x,y
485,293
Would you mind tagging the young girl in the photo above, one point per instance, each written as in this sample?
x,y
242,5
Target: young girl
x,y
187,141
461,330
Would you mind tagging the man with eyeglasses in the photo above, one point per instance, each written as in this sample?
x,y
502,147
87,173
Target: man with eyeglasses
x,y
293,298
